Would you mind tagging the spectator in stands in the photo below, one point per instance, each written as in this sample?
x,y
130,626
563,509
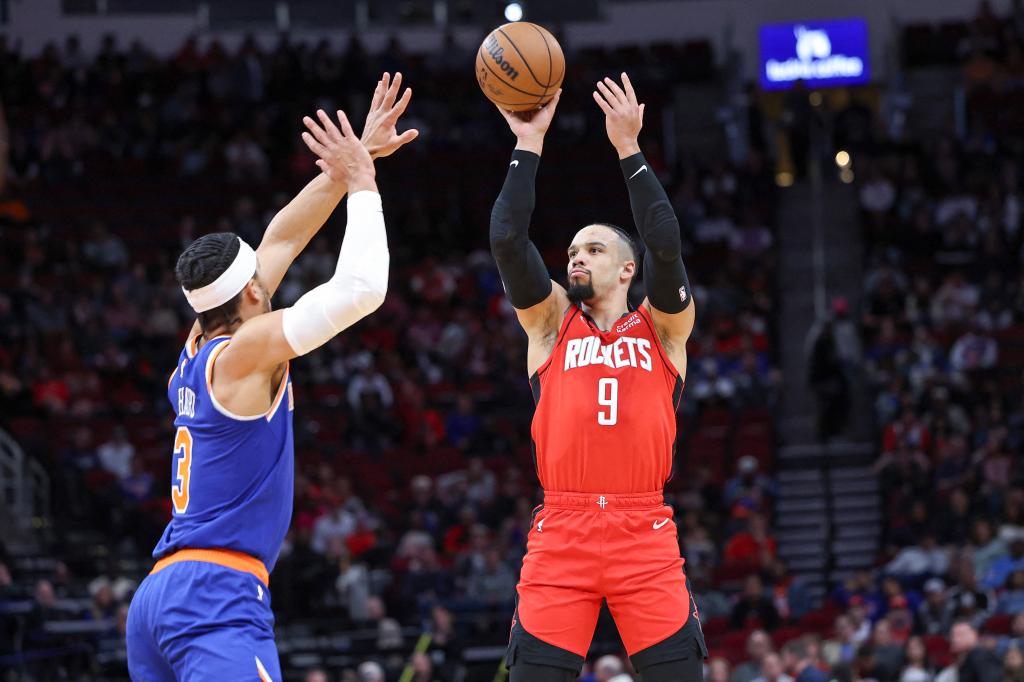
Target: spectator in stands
x,y
337,523
1013,665
973,662
494,583
1011,600
771,669
750,490
316,675
789,593
829,383
841,649
759,644
934,615
370,671
1002,567
888,653
916,666
718,670
752,547
606,668
754,605
973,351
1016,636
798,662
352,585
926,558
116,454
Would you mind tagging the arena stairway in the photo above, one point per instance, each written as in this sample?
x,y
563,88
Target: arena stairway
x,y
828,521
828,514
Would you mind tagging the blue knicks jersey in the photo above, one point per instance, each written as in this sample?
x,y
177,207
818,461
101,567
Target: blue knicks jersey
x,y
232,477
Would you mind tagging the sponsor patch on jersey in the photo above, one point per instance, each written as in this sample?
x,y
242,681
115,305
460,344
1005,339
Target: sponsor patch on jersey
x,y
682,294
633,321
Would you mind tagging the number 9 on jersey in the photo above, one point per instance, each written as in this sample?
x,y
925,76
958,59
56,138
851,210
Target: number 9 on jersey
x,y
608,397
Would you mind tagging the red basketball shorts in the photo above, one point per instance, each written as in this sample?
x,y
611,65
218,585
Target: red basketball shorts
x,y
583,549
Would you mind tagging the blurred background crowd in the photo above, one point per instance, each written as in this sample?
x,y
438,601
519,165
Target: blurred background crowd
x,y
415,481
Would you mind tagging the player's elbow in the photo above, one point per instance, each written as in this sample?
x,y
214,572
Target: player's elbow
x,y
370,291
506,242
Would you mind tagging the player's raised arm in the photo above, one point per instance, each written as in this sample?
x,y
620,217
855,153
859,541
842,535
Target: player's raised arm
x,y
539,302
357,288
668,290
295,224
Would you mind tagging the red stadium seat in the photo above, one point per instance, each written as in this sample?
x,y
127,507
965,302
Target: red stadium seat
x,y
938,649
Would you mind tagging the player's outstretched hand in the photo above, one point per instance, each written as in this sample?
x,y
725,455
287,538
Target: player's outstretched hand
x,y
380,134
342,156
623,116
529,127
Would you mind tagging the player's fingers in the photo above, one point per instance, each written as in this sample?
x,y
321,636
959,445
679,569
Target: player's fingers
x,y
616,90
316,130
628,87
399,108
315,146
328,124
407,137
392,92
378,95
346,127
609,97
601,103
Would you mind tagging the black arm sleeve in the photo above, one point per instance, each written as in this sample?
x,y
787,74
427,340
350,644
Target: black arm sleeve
x,y
523,272
668,289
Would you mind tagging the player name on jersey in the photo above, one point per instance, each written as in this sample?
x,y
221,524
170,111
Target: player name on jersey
x,y
186,402
625,351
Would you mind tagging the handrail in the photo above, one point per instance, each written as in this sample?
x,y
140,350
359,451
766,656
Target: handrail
x,y
24,483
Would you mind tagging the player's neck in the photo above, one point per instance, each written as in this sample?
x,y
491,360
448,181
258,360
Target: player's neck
x,y
605,312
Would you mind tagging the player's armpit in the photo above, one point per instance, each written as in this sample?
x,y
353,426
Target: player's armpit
x,y
541,324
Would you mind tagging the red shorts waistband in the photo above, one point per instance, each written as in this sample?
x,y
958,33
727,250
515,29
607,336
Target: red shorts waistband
x,y
606,502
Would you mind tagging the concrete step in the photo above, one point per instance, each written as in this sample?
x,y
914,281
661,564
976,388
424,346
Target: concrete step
x,y
800,476
800,506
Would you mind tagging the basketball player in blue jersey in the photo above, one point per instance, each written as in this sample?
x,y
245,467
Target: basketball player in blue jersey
x,y
204,611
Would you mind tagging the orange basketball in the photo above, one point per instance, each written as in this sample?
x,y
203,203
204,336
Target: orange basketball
x,y
520,66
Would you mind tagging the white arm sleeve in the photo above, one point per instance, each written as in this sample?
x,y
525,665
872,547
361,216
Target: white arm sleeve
x,y
357,287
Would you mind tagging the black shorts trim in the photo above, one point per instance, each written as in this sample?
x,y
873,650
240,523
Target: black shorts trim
x,y
687,642
525,648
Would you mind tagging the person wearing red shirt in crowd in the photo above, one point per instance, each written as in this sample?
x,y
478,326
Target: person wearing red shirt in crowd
x,y
753,546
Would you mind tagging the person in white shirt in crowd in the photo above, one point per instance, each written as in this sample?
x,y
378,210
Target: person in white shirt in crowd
x,y
771,669
116,454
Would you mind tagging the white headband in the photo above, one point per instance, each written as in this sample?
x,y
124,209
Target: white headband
x,y
225,287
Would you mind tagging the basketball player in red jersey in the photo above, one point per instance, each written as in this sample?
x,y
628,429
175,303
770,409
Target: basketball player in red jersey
x,y
607,380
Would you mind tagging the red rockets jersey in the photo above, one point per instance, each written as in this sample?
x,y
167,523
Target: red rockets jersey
x,y
605,420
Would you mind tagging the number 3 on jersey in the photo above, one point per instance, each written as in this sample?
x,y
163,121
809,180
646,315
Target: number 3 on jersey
x,y
183,472
608,396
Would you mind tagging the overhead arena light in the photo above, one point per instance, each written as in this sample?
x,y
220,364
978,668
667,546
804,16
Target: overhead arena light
x,y
513,11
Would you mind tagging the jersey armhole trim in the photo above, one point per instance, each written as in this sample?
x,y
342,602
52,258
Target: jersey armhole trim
x,y
567,317
209,388
649,321
281,390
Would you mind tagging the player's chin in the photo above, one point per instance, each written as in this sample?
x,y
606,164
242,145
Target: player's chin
x,y
580,290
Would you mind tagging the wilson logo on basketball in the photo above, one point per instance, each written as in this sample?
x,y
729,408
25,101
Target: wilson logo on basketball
x,y
497,53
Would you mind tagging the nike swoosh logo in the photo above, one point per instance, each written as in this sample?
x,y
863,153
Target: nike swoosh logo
x,y
639,171
659,524
514,164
